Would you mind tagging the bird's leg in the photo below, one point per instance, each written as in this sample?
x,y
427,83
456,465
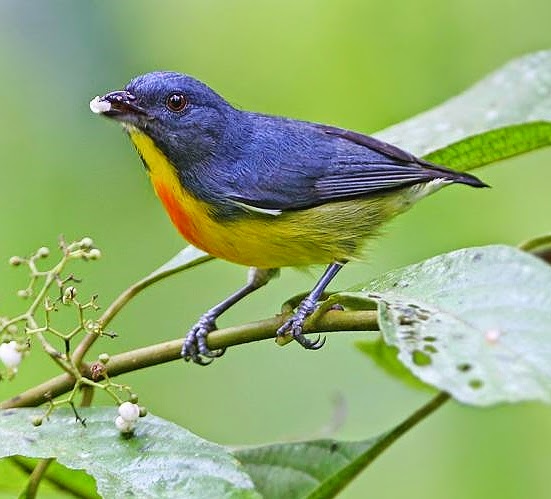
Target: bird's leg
x,y
195,343
307,306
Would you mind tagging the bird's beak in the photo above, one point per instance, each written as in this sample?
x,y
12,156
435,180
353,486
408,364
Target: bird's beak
x,y
119,105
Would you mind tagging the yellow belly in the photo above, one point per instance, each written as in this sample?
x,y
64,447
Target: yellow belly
x,y
319,235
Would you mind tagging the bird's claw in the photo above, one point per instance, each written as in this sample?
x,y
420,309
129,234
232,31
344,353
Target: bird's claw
x,y
309,344
195,343
295,326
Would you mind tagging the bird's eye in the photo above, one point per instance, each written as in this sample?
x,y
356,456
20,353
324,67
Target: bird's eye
x,y
176,102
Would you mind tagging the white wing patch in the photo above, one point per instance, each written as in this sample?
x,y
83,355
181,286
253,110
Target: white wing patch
x,y
256,209
419,191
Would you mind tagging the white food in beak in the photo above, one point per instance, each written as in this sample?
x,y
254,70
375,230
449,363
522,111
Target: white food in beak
x,y
99,106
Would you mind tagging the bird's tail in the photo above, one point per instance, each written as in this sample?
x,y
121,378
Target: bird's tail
x,y
454,176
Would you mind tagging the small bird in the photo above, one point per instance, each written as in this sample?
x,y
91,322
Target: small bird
x,y
264,191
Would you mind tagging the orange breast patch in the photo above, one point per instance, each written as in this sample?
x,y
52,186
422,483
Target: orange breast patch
x,y
182,218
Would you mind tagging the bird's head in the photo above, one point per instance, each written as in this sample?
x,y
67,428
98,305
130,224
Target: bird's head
x,y
185,118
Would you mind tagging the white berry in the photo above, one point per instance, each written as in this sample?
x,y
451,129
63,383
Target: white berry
x,y
129,412
43,252
94,254
124,426
86,243
11,356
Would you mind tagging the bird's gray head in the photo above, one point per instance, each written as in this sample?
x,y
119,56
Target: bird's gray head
x,y
185,118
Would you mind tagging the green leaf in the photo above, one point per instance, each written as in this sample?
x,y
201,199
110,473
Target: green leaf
x,y
304,469
519,94
386,358
475,323
57,483
189,257
12,479
539,246
160,460
493,146
320,468
536,244
72,482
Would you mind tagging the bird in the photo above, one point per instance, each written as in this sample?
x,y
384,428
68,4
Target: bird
x,y
265,191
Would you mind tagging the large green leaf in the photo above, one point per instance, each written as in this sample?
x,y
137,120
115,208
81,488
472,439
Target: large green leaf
x,y
58,482
494,145
14,479
62,481
320,468
160,460
518,93
475,323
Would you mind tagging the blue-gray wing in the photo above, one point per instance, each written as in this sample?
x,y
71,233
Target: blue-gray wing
x,y
337,165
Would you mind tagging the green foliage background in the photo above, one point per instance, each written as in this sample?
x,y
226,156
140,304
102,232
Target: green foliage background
x,y
362,65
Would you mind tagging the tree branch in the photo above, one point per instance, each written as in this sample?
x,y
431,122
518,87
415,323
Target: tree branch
x,y
129,293
331,321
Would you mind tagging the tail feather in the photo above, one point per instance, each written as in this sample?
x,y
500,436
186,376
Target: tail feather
x,y
454,176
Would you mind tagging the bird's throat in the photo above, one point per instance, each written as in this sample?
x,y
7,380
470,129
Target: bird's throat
x,y
187,213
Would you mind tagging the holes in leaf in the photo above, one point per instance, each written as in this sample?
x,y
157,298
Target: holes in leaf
x,y
406,321
333,447
420,358
423,315
476,384
430,349
465,367
400,284
408,335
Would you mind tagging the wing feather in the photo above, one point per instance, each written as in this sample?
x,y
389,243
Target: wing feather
x,y
359,166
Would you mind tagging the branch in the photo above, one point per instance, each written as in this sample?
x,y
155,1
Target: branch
x,y
115,307
367,458
36,477
331,321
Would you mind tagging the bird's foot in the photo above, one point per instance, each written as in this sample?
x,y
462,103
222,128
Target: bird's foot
x,y
195,343
295,325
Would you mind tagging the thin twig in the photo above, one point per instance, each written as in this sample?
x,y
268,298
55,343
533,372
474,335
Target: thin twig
x,y
36,476
339,481
332,321
25,465
122,300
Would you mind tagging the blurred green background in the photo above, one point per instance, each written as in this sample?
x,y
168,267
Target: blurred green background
x,y
362,65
